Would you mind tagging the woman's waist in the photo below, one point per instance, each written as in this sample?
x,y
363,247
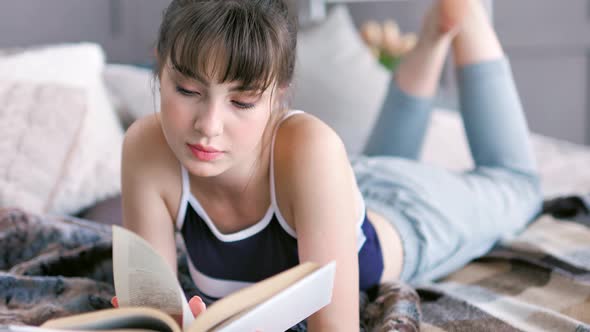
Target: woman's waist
x,y
390,242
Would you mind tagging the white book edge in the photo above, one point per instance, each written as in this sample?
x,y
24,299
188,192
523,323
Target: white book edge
x,y
290,306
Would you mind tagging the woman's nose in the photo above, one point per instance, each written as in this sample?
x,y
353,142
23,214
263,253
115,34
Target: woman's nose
x,y
209,122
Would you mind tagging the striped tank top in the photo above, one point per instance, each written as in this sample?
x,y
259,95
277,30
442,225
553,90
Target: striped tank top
x,y
220,264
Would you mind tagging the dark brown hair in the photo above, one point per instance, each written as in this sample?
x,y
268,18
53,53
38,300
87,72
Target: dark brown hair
x,y
248,41
252,42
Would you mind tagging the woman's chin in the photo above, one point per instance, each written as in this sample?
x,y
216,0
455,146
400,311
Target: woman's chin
x,y
205,169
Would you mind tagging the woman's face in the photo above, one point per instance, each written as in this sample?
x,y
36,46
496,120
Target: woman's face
x,y
212,127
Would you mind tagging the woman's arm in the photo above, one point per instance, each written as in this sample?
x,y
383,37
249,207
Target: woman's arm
x,y
311,162
144,209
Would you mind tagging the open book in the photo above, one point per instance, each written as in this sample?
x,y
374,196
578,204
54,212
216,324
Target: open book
x,y
148,294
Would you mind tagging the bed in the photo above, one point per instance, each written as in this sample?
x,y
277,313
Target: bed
x,y
56,245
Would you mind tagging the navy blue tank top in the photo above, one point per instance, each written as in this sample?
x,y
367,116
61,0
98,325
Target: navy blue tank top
x,y
220,264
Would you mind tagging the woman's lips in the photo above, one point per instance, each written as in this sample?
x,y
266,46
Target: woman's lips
x,y
204,153
204,148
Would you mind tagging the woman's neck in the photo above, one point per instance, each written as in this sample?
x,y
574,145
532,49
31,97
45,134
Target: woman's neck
x,y
245,184
238,186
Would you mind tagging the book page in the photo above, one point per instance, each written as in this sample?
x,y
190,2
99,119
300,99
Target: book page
x,y
288,307
26,328
129,319
143,278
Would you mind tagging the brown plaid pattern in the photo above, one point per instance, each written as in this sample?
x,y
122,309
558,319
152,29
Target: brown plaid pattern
x,y
538,281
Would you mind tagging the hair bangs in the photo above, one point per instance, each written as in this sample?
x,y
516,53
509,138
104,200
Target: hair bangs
x,y
231,45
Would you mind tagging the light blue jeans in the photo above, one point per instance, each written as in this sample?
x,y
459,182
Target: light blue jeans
x,y
445,218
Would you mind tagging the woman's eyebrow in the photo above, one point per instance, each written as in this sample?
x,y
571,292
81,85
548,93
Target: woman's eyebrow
x,y
243,88
181,74
197,78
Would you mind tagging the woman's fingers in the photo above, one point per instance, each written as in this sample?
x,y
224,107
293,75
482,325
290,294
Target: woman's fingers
x,y
197,305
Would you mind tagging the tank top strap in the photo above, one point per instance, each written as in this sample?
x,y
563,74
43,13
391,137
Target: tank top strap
x,y
273,197
274,134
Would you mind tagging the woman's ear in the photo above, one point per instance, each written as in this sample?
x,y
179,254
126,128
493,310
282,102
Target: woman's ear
x,y
283,90
284,95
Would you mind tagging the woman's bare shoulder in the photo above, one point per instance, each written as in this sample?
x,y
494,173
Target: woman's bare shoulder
x,y
145,143
148,157
148,178
304,147
305,133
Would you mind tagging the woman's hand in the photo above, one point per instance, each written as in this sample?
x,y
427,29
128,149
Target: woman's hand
x,y
196,304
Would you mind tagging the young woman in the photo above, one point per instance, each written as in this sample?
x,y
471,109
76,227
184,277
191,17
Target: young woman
x,y
255,188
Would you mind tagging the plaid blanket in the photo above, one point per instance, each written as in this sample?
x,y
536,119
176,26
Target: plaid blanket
x,y
59,266
540,281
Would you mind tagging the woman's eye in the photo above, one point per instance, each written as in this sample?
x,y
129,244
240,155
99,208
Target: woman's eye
x,y
242,105
186,92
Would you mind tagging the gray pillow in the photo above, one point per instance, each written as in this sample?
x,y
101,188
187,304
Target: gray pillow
x,y
338,79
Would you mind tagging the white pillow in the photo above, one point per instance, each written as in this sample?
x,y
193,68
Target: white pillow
x,y
94,166
39,130
338,79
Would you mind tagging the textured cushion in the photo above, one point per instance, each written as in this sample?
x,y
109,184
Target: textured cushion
x,y
338,80
39,129
93,166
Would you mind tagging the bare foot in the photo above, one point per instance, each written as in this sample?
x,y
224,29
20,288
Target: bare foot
x,y
452,14
419,71
443,20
